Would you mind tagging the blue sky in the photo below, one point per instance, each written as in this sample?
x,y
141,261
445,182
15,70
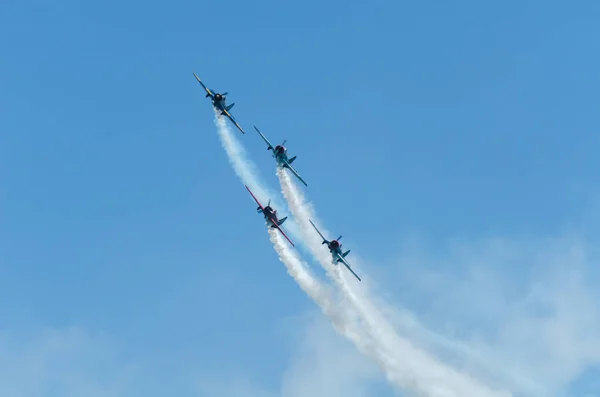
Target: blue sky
x,y
453,145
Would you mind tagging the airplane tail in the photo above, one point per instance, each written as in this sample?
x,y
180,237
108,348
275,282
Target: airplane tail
x,y
230,106
292,159
345,253
281,221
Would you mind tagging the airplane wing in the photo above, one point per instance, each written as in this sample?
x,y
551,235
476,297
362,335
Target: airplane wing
x,y
289,166
324,239
265,139
203,86
226,113
343,260
255,199
282,232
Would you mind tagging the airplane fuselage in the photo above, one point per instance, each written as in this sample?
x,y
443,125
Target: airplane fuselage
x,y
219,102
280,150
280,154
270,215
335,248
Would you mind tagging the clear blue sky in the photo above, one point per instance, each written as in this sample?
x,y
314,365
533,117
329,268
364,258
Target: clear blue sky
x,y
120,215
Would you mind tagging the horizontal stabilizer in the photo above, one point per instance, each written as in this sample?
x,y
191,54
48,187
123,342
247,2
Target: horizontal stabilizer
x,y
280,222
292,159
345,253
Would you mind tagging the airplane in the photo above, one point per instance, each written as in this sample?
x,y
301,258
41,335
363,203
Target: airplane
x,y
219,102
280,154
336,250
270,215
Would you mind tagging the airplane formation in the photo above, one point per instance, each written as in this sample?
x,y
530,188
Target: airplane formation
x,y
281,157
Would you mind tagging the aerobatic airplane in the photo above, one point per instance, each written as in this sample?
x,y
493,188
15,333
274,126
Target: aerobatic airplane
x,y
280,154
270,215
219,102
336,250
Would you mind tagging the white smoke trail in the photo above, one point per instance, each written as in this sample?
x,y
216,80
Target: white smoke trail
x,y
342,318
321,293
404,374
302,212
245,168
406,366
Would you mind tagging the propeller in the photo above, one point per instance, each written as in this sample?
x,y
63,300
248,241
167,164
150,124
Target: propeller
x,y
339,238
269,203
224,94
284,141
